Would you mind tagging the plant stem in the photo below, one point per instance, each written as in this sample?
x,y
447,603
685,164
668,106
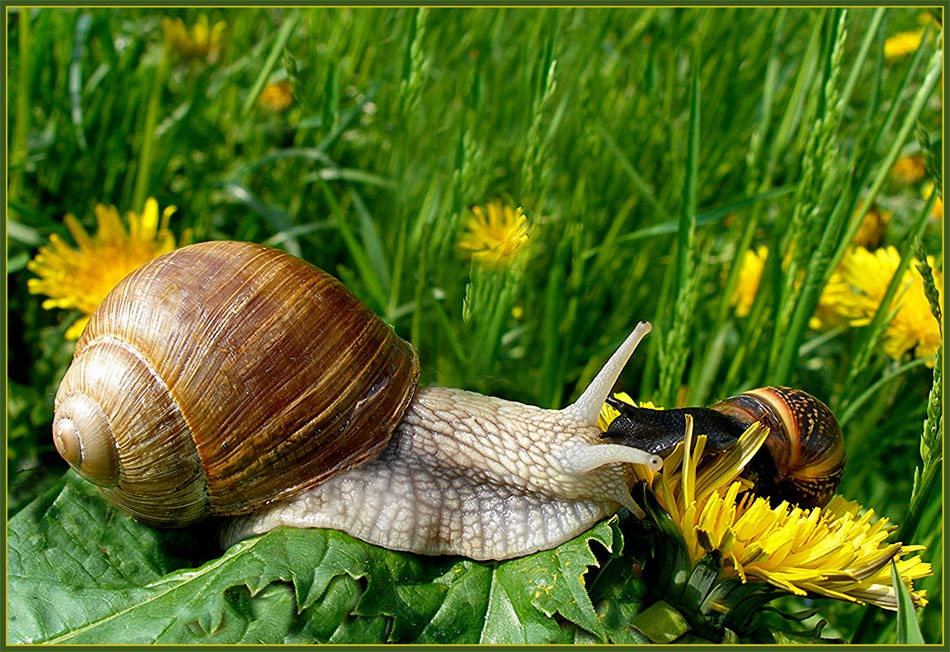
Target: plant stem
x,y
21,123
143,172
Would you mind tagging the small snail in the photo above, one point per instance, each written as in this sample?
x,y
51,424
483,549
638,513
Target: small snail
x,y
227,378
801,461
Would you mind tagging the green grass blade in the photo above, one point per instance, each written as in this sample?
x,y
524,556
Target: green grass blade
x,y
704,218
869,36
795,108
21,120
361,258
675,349
908,629
642,187
931,453
910,118
143,173
286,30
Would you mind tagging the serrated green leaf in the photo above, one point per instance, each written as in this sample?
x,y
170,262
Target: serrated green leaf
x,y
551,581
462,615
80,572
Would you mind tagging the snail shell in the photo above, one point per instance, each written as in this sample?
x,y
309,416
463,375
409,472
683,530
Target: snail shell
x,y
175,423
805,443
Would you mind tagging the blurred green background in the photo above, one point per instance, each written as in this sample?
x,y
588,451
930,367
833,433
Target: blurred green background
x,y
649,149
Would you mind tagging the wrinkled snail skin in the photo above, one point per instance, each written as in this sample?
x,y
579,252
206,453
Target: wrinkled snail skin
x,y
452,481
801,461
230,379
478,476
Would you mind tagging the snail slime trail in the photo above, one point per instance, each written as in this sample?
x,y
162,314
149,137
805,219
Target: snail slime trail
x,y
231,379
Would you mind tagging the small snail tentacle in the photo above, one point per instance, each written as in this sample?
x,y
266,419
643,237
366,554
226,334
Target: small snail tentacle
x,y
586,408
587,458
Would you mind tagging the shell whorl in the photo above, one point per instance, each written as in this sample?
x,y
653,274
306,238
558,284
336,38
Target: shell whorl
x,y
83,437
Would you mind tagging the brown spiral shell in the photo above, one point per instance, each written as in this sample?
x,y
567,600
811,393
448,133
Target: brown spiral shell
x,y
225,376
805,441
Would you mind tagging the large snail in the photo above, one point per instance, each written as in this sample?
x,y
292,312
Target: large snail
x,y
228,378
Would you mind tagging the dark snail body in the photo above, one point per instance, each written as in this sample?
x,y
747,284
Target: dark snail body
x,y
658,431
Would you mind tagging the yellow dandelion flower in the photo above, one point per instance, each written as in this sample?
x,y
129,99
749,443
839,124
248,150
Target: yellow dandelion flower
x,y
276,96
926,18
753,262
902,44
909,169
835,304
79,279
494,235
201,43
857,286
838,551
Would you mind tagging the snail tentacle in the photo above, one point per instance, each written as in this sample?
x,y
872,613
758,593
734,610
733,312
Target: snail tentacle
x,y
583,459
586,408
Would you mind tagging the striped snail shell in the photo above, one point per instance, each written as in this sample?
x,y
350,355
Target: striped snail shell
x,y
805,443
194,392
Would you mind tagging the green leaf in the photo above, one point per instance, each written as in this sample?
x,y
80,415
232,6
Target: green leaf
x,y
619,593
551,581
661,623
80,572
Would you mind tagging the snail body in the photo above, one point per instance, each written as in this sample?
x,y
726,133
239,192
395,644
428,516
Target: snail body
x,y
231,379
451,482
